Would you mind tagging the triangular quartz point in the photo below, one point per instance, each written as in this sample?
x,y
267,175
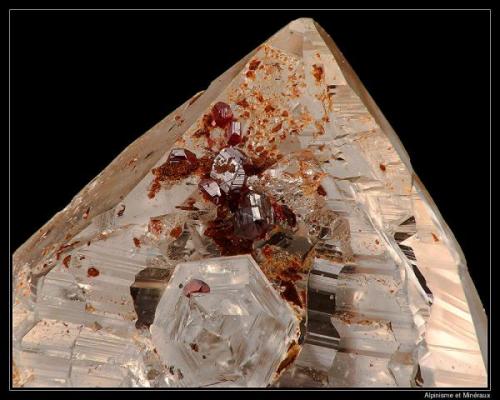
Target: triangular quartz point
x,y
269,231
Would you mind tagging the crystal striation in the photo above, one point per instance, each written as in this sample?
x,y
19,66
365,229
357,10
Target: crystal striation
x,y
231,330
338,269
254,215
227,169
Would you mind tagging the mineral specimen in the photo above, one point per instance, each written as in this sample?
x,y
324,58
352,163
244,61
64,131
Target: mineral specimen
x,y
340,271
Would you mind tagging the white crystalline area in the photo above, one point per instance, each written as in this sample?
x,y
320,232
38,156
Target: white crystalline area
x,y
382,296
235,335
65,354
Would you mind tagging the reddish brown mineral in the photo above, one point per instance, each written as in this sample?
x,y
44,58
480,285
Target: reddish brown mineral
x,y
234,133
195,286
222,114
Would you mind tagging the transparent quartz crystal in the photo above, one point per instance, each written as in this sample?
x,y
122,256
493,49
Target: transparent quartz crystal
x,y
340,270
232,331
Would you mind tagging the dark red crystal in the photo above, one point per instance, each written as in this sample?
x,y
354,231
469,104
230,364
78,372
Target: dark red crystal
x,y
221,230
222,114
254,216
234,133
92,272
195,286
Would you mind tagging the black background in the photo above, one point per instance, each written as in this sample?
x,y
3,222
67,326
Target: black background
x,y
84,84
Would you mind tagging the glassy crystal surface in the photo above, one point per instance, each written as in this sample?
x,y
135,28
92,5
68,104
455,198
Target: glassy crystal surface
x,y
342,272
234,133
254,215
227,169
222,114
146,292
229,328
211,189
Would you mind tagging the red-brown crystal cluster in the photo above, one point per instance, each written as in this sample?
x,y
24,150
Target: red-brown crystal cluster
x,y
244,216
180,164
221,116
221,231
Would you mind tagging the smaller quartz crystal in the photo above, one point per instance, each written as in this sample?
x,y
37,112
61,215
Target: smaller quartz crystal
x,y
254,216
227,169
234,133
222,114
233,329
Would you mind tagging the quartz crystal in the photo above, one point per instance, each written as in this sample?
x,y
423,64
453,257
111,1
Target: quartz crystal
x,y
230,329
269,232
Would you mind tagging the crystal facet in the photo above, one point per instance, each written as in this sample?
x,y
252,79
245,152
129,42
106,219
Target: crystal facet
x,y
342,272
195,286
222,114
234,133
212,190
227,169
233,334
254,215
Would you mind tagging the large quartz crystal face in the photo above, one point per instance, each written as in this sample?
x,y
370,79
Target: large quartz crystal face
x,y
230,328
269,232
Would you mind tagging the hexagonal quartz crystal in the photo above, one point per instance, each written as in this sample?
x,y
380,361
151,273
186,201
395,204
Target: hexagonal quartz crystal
x,y
227,169
232,330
